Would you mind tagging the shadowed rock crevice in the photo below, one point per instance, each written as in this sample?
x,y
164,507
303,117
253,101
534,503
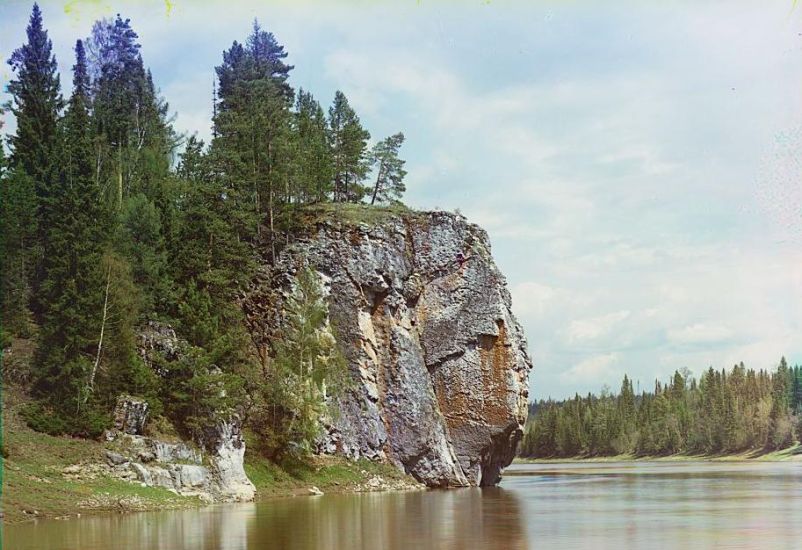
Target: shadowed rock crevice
x,y
439,363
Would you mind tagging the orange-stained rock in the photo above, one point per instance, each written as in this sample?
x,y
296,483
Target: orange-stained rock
x,y
439,363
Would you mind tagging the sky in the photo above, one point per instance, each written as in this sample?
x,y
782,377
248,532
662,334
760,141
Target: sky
x,y
637,165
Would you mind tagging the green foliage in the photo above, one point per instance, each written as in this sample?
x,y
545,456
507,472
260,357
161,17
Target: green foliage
x,y
139,238
348,141
726,412
36,104
101,233
252,143
42,417
133,139
71,288
312,166
307,368
196,392
389,185
19,249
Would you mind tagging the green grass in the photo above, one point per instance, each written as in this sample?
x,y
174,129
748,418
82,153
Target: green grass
x,y
354,213
33,476
330,474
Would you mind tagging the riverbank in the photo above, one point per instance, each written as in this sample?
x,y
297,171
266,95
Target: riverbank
x,y
62,477
790,454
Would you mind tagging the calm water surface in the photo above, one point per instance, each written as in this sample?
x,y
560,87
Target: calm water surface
x,y
567,505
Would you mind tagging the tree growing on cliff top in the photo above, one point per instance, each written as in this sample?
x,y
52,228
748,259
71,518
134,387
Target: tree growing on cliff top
x,y
312,155
251,146
349,143
389,184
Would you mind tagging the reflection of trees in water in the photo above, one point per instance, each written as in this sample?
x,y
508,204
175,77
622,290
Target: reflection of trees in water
x,y
459,519
211,528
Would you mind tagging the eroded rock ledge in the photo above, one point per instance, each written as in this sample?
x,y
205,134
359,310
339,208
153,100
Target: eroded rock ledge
x,y
439,363
214,471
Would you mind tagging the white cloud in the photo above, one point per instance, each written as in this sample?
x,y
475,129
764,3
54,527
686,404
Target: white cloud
x,y
590,329
699,333
637,169
597,367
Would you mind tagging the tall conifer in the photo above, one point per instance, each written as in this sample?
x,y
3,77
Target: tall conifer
x,y
36,104
72,285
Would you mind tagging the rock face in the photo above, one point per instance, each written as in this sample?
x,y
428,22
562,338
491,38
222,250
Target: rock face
x,y
213,470
130,414
182,468
439,364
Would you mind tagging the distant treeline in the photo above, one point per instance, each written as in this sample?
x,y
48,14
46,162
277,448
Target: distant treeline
x,y
721,413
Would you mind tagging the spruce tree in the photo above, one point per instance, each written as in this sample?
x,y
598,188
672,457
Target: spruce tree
x,y
73,285
36,104
18,246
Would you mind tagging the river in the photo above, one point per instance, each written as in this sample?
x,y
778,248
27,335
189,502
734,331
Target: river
x,y
559,505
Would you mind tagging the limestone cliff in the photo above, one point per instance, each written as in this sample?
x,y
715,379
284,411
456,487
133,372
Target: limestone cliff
x,y
439,363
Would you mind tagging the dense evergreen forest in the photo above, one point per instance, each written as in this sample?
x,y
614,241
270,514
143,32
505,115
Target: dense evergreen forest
x,y
111,219
721,413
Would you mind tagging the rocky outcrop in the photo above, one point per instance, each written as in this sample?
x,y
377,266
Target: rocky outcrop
x,y
212,468
214,476
130,414
438,362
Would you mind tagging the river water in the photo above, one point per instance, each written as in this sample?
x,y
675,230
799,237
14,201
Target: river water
x,y
612,505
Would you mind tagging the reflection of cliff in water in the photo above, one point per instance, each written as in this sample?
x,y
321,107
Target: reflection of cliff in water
x,y
457,519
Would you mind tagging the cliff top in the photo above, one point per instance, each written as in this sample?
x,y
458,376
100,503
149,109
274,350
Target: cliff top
x,y
355,214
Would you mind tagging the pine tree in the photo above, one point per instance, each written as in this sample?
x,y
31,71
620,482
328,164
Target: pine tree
x,y
348,141
307,367
313,162
390,171
252,132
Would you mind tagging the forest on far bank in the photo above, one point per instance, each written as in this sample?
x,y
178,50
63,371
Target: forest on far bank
x,y
723,412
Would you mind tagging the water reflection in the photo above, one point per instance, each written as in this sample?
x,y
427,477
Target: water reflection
x,y
621,505
460,519
211,528
470,518
661,505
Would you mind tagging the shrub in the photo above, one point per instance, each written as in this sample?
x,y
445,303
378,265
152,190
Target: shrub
x,y
42,418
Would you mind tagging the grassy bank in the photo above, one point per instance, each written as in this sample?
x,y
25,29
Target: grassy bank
x,y
790,454
37,481
329,474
